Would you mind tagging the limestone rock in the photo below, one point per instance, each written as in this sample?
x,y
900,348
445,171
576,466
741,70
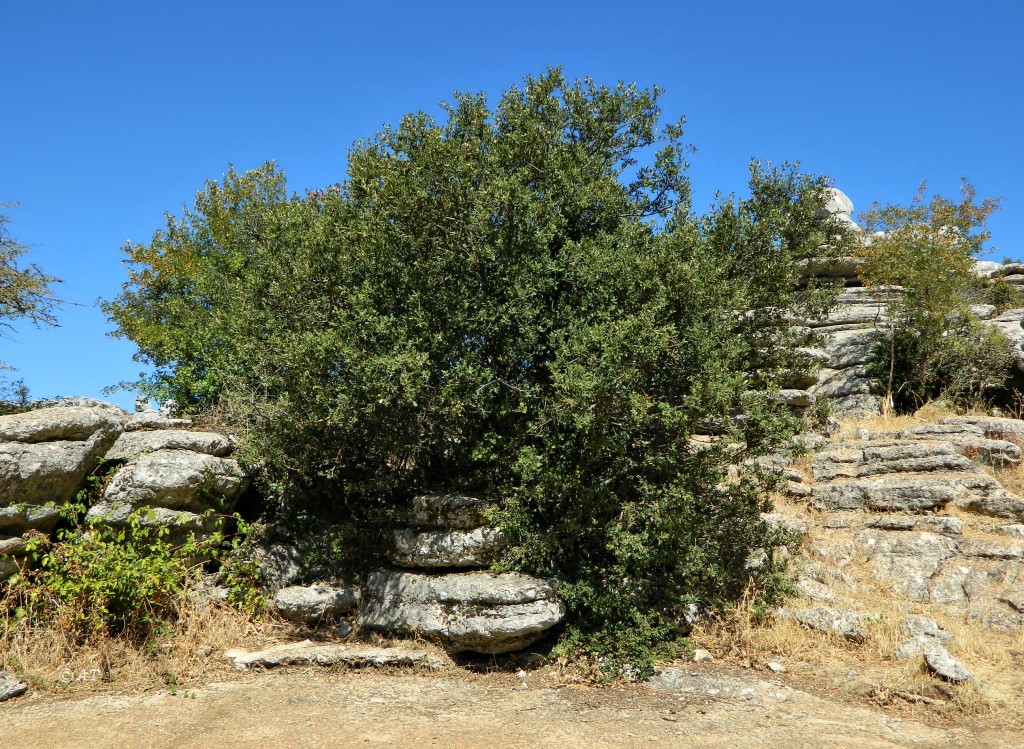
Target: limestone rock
x,y
176,480
945,666
835,201
132,444
833,621
889,494
922,626
453,511
21,517
65,423
477,611
907,560
443,548
315,603
11,687
40,472
307,653
154,420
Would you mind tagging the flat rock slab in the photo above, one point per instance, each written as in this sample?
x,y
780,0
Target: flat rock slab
x,y
481,612
11,687
314,603
443,548
60,423
308,653
718,686
132,444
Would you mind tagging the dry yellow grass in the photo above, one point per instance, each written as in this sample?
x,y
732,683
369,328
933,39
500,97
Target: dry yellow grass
x,y
869,669
191,650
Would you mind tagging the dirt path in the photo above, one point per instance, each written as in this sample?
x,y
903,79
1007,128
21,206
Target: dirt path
x,y
361,709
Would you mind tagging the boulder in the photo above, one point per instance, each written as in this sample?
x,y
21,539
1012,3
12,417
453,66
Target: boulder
x,y
442,548
841,622
21,517
476,611
11,687
176,480
945,666
64,423
315,603
40,472
132,444
454,511
922,626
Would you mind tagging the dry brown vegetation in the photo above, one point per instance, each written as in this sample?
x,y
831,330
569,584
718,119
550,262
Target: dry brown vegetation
x,y
869,669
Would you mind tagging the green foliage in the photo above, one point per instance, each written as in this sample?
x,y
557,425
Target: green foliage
x,y
968,365
934,345
516,302
25,293
128,581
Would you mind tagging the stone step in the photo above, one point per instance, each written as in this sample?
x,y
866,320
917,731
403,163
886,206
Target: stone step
x,y
969,440
857,460
308,653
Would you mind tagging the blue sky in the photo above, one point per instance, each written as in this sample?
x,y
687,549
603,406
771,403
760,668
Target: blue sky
x,y
114,113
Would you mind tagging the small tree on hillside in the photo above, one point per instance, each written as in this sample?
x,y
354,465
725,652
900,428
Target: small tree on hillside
x,y
934,344
517,301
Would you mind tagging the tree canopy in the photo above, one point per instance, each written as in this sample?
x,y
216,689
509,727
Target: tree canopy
x,y
516,301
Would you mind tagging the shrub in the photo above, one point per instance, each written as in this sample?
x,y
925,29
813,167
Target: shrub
x,y
516,302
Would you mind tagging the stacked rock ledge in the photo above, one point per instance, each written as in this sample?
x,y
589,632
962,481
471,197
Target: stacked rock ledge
x,y
478,611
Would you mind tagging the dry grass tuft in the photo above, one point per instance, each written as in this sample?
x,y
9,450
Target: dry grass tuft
x,y
189,651
868,669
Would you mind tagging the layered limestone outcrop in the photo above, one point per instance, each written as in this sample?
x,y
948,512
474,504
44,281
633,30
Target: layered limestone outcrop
x,y
172,473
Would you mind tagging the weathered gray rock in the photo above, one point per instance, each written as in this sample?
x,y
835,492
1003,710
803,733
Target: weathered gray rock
x,y
132,444
11,687
279,564
945,666
1013,530
21,517
443,548
907,560
922,626
65,423
859,460
477,611
41,472
154,420
993,426
982,547
454,511
849,348
995,616
307,653
835,201
857,404
785,522
962,580
316,603
984,496
833,621
888,494
815,591
968,440
180,523
176,480
944,525
796,398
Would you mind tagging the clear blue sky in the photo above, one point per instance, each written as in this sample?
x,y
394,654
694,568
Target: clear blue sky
x,y
115,112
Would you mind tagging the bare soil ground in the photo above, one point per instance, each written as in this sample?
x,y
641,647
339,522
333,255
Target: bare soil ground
x,y
337,708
